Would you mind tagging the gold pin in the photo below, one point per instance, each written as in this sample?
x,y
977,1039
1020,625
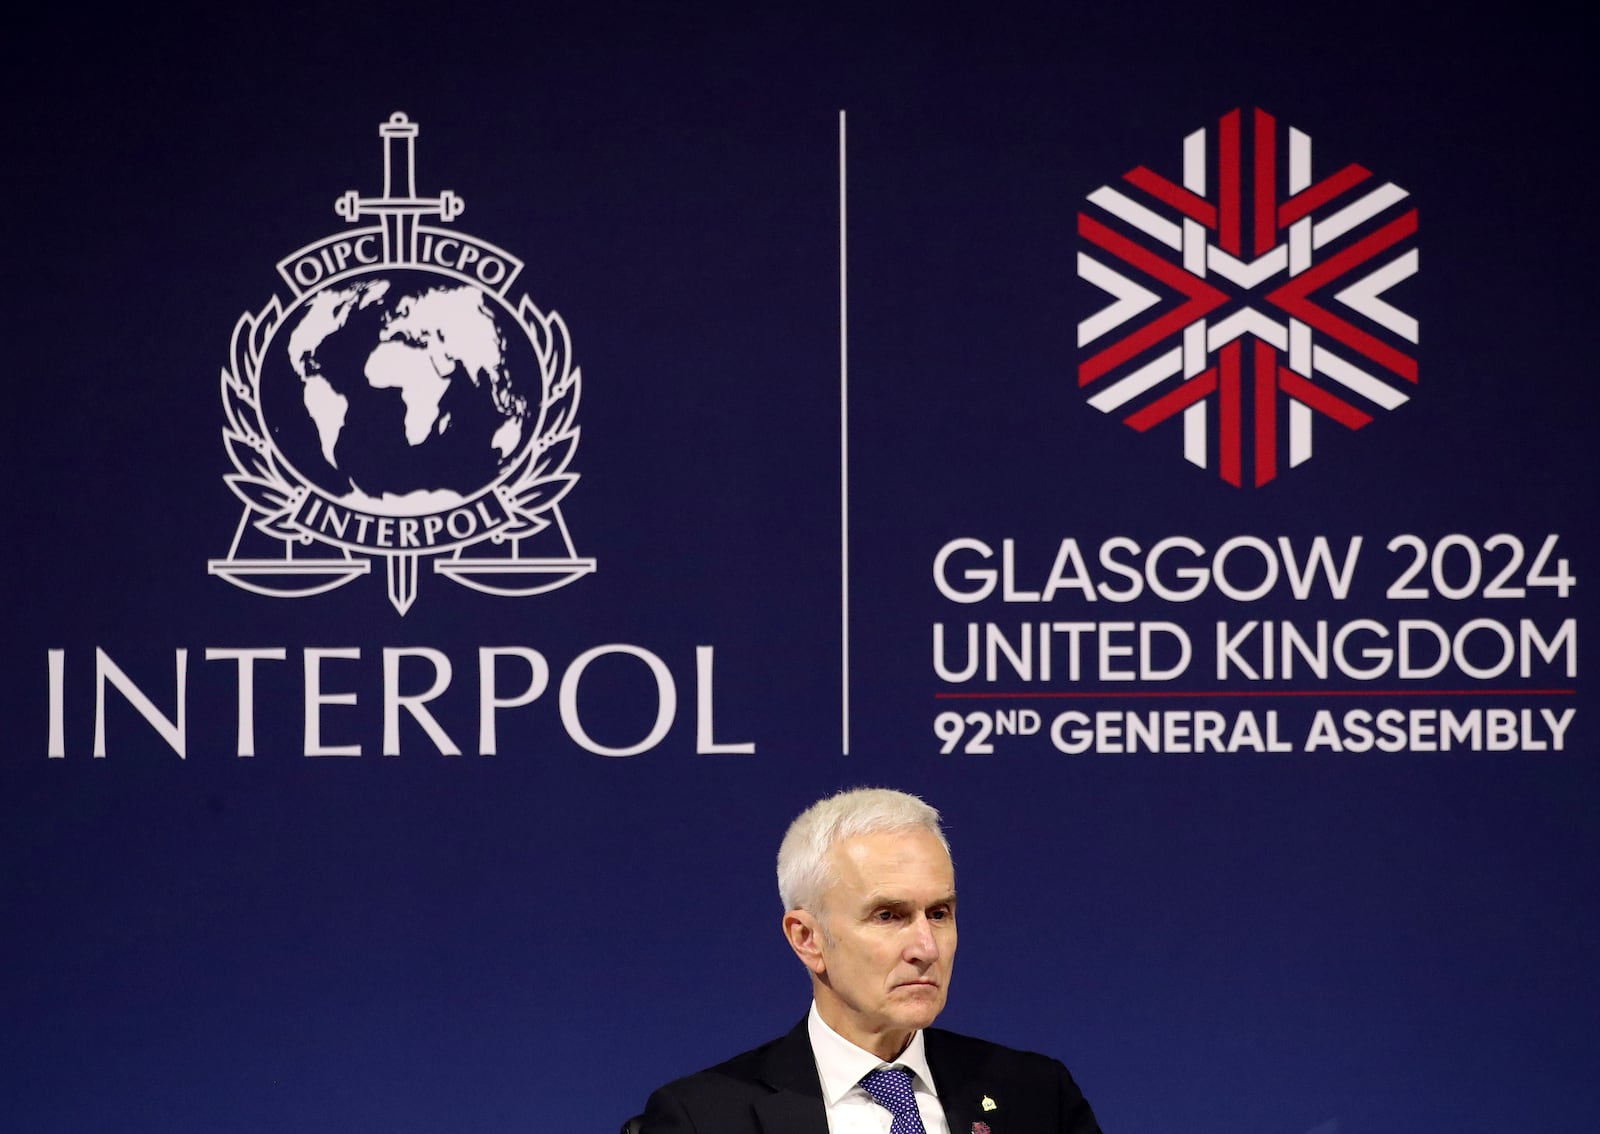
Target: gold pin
x,y
990,1104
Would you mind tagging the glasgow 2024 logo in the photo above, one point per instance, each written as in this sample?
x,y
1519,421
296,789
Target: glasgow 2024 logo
x,y
1247,298
401,407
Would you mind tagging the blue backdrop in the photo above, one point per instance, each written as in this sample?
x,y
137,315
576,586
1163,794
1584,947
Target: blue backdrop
x,y
1385,941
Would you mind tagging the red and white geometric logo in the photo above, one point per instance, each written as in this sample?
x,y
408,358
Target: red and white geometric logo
x,y
1250,351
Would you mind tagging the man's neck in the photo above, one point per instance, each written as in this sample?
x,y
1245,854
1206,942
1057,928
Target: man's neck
x,y
887,1046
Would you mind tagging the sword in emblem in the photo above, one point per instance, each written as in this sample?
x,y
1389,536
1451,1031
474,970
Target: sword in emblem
x,y
399,207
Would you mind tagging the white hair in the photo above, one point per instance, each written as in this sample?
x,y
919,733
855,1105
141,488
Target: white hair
x,y
805,872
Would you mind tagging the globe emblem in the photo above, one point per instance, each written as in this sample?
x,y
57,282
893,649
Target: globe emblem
x,y
401,392
402,411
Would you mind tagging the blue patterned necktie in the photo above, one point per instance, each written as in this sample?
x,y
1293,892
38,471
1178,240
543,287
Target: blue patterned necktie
x,y
891,1088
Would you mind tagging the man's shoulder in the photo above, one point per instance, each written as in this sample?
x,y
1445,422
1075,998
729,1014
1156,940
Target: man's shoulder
x,y
782,1062
975,1076
958,1060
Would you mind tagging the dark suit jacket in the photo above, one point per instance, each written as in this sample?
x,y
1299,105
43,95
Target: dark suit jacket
x,y
775,1090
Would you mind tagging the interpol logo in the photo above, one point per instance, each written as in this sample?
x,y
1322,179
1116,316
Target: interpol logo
x,y
399,405
1248,298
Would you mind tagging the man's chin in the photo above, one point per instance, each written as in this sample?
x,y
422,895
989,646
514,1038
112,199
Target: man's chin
x,y
919,1004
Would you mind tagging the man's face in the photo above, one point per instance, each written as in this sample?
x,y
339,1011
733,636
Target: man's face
x,y
888,938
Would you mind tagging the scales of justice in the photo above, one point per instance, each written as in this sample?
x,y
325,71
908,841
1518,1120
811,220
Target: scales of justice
x,y
326,543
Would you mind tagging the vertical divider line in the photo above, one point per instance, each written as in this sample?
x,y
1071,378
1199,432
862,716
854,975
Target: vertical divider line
x,y
844,458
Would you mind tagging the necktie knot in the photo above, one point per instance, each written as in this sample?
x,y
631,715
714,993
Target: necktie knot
x,y
890,1087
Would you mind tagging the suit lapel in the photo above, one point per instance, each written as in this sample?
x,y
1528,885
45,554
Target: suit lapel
x,y
789,1112
795,1106
962,1113
961,1094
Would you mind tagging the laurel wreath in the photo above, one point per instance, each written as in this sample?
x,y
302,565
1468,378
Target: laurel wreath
x,y
532,484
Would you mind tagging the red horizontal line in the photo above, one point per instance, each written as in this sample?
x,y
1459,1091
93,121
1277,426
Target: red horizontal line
x,y
1261,693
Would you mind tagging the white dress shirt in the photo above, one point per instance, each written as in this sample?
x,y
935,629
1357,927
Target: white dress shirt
x,y
840,1066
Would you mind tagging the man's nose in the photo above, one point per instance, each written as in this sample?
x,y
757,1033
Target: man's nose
x,y
922,945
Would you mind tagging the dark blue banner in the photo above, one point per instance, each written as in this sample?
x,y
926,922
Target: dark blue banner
x,y
476,474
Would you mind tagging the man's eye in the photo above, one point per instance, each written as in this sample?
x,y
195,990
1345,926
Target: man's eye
x,y
884,915
940,914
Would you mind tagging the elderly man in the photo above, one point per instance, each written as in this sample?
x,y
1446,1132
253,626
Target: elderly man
x,y
870,894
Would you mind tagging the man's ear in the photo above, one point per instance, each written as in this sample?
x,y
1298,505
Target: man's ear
x,y
804,933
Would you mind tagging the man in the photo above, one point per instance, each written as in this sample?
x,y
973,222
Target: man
x,y
869,889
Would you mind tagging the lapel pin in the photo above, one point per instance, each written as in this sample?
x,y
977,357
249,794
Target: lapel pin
x,y
980,1128
988,1104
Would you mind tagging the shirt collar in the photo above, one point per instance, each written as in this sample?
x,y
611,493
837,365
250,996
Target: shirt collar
x,y
841,1064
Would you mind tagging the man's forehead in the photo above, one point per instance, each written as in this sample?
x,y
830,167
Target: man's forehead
x,y
891,859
